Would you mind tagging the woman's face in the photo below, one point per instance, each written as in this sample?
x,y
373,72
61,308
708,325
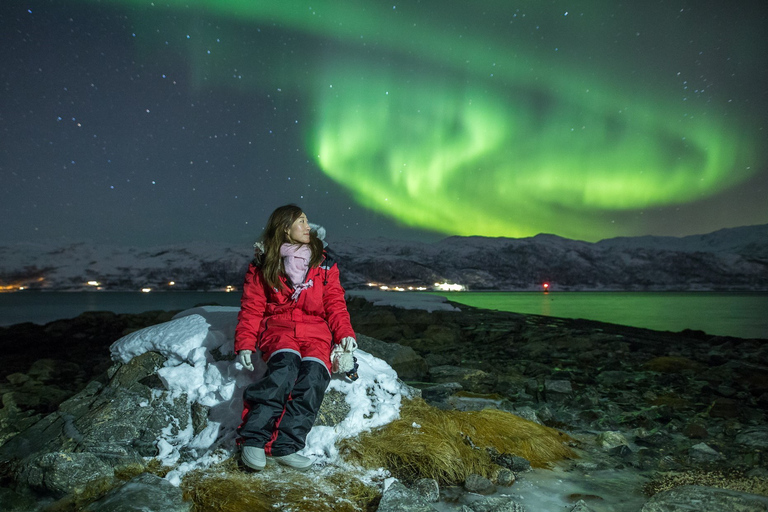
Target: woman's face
x,y
298,233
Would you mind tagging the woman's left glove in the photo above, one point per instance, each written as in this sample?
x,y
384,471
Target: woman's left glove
x,y
244,358
341,360
348,344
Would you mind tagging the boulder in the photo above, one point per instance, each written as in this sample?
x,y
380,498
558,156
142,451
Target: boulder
x,y
479,484
702,453
611,439
404,360
144,493
398,498
505,477
100,429
428,489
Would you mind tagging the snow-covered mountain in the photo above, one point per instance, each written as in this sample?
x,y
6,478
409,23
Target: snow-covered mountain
x,y
729,259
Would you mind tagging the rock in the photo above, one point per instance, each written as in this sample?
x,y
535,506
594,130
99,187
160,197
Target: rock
x,y
757,473
622,451
11,501
611,439
333,410
700,498
695,430
753,438
514,463
612,378
474,402
505,477
144,493
703,453
497,504
404,360
527,413
581,506
60,473
451,493
476,381
199,417
440,393
557,390
110,426
398,498
479,484
428,489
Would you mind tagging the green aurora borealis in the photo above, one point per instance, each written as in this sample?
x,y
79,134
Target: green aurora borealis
x,y
510,120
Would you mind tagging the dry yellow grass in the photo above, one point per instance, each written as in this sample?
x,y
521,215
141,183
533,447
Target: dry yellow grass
x,y
450,445
227,488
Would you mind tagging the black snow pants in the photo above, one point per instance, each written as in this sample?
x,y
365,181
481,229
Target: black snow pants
x,y
280,408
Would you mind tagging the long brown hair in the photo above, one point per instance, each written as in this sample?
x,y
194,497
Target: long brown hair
x,y
275,235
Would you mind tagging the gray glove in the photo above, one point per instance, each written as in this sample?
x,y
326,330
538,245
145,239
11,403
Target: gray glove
x,y
244,358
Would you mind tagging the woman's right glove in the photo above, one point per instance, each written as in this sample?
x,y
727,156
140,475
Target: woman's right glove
x,y
244,358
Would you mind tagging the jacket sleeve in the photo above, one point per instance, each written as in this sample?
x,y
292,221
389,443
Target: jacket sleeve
x,y
252,306
336,313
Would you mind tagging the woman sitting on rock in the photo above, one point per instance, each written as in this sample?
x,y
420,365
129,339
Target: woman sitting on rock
x,y
293,311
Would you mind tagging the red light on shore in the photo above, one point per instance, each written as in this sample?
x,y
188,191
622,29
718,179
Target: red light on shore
x,y
546,287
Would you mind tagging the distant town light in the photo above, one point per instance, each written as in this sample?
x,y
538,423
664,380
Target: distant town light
x,y
384,287
22,287
230,288
146,290
372,284
450,287
172,283
94,283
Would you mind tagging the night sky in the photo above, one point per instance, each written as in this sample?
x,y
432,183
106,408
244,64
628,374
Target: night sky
x,y
143,123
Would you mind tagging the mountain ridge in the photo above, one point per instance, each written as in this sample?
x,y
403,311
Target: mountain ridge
x,y
727,259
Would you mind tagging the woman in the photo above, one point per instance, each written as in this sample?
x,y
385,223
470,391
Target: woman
x,y
293,311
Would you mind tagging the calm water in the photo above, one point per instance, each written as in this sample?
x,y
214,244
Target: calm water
x,y
43,307
727,314
744,315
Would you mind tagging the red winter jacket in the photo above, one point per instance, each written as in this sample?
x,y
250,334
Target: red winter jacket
x,y
322,302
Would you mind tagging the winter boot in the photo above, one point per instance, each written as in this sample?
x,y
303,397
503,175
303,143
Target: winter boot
x,y
253,457
295,461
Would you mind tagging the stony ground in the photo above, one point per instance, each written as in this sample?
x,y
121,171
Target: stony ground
x,y
635,398
680,400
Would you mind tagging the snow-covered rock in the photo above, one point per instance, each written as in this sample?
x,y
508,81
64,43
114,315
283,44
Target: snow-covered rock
x,y
176,396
